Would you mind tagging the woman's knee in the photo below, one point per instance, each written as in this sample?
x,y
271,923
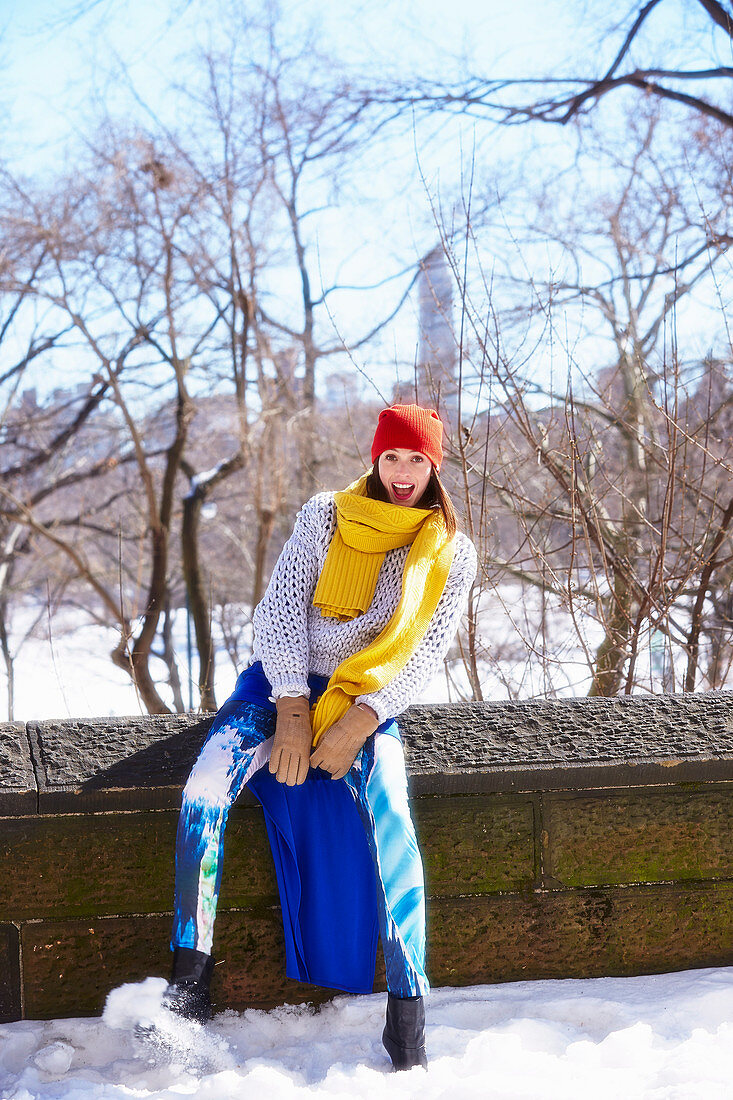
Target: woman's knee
x,y
211,776
226,755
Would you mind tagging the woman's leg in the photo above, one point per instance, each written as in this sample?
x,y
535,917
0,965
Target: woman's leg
x,y
379,785
238,744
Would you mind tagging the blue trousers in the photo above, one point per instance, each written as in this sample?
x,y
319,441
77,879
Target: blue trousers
x,y
345,852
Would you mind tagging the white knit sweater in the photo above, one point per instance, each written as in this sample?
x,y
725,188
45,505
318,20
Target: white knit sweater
x,y
293,639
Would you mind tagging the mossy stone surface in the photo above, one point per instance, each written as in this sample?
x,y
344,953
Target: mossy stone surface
x,y
69,967
250,971
639,836
10,1000
68,865
476,844
581,933
106,864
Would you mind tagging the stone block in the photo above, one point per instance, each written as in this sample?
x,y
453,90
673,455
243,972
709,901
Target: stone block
x,y
581,933
476,844
536,745
250,970
465,748
68,865
639,836
18,791
250,947
473,941
69,967
61,866
569,731
10,999
114,763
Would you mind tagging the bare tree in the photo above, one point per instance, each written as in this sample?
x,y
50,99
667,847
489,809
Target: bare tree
x,y
611,497
159,257
562,99
118,277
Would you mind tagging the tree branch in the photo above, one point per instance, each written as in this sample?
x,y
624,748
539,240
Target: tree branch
x,y
719,15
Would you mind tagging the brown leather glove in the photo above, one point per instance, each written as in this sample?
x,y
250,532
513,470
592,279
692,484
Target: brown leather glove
x,y
337,749
289,759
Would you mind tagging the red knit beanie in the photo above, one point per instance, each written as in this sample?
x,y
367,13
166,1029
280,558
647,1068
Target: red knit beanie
x,y
412,427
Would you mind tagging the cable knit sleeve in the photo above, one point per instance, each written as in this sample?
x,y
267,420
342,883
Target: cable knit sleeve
x,y
405,688
280,618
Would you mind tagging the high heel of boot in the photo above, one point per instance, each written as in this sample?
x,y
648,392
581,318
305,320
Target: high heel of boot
x,y
188,990
404,1032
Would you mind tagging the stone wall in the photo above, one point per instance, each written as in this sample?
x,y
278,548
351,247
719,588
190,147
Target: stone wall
x,y
575,838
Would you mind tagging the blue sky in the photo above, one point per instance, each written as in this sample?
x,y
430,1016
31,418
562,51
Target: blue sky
x,y
57,73
52,63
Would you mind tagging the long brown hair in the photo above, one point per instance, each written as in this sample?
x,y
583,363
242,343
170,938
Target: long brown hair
x,y
435,496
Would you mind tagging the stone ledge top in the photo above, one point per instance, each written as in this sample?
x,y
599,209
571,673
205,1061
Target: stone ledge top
x,y
571,731
18,789
84,765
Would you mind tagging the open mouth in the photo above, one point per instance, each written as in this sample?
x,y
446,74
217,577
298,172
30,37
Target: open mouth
x,y
402,490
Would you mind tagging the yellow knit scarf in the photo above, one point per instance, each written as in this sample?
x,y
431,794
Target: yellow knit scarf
x,y
366,529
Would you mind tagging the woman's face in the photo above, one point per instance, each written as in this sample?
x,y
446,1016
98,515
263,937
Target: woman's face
x,y
404,474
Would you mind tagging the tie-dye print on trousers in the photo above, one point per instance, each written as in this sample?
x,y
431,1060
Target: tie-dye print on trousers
x,y
238,745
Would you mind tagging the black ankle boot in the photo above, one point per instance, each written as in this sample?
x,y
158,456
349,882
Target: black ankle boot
x,y
188,992
404,1032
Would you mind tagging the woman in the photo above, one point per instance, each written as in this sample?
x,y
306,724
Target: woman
x,y
361,607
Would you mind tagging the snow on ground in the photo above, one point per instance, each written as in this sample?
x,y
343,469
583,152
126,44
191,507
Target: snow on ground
x,y
63,667
71,675
665,1037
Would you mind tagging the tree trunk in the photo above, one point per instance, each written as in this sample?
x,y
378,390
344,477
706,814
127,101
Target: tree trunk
x,y
613,651
709,565
267,522
471,659
169,656
8,658
197,603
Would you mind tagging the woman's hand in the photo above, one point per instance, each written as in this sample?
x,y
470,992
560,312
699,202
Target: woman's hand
x,y
289,759
337,749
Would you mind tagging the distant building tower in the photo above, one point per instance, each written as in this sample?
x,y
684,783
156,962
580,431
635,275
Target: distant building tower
x,y
437,357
